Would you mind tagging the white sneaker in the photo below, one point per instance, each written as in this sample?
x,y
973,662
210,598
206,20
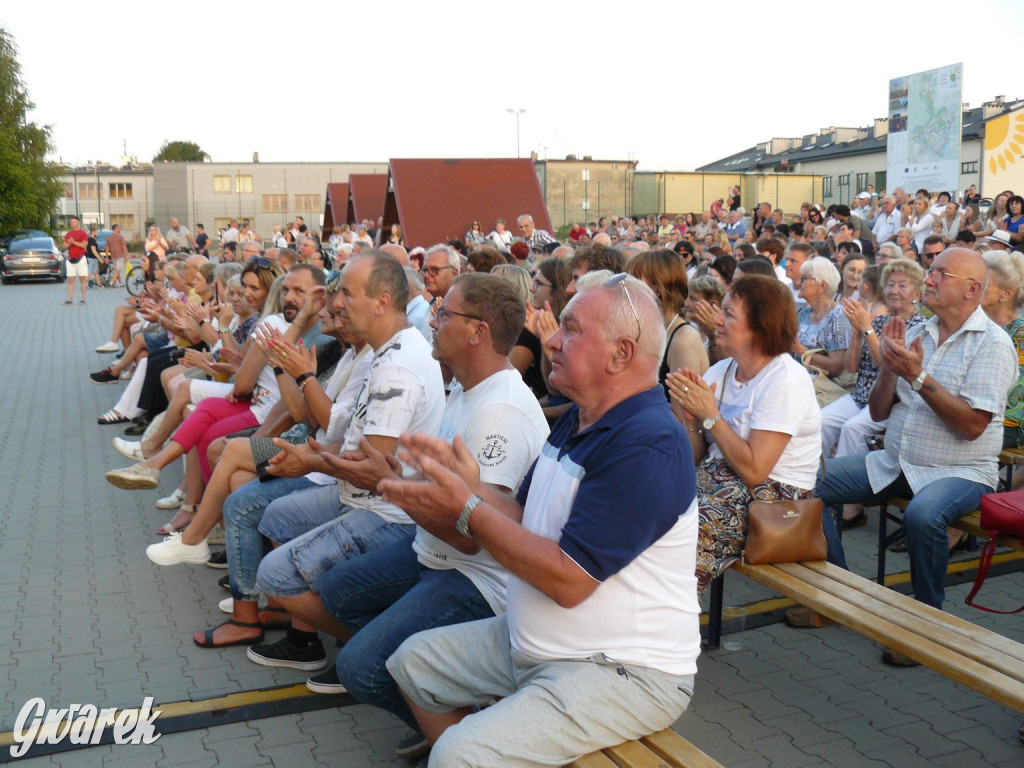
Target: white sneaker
x,y
110,346
129,449
173,501
227,605
171,551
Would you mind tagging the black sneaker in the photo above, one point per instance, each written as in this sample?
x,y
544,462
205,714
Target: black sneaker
x,y
284,653
225,581
412,747
138,426
326,682
104,377
218,559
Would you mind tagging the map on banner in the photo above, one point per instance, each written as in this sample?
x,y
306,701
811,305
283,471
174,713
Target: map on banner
x,y
925,129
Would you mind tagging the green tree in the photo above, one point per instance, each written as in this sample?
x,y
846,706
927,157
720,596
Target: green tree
x,y
180,152
29,185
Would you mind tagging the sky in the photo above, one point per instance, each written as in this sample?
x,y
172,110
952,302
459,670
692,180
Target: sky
x,y
670,85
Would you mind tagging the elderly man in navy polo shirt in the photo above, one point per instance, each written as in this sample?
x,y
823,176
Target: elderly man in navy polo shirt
x,y
600,640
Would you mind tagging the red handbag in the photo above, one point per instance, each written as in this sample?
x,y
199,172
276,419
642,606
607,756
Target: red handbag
x,y
1000,513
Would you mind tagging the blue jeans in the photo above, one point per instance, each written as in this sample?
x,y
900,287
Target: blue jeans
x,y
243,511
930,511
384,597
295,567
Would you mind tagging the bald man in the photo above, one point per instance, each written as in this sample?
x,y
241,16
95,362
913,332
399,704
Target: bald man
x,y
398,252
943,388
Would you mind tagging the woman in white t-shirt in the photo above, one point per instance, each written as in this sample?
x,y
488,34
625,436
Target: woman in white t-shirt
x,y
752,419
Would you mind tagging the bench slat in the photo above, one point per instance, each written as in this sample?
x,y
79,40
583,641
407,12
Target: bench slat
x,y
848,611
664,749
677,751
1011,653
593,760
971,522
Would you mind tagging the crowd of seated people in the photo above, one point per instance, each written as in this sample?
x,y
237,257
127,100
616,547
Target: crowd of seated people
x,y
288,448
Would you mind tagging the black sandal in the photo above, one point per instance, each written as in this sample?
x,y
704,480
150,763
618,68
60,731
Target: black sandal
x,y
208,641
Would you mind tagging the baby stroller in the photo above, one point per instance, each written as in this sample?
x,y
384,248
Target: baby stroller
x,y
103,272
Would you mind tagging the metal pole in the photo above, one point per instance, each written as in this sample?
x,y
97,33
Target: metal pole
x,y
517,112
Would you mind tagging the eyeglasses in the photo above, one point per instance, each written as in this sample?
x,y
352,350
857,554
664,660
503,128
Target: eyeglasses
x,y
539,283
434,271
442,312
262,262
938,275
620,279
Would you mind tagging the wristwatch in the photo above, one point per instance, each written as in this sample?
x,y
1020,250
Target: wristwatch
x,y
918,383
868,332
710,423
462,524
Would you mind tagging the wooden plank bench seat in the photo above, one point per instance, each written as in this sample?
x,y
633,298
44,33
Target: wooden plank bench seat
x,y
664,749
975,657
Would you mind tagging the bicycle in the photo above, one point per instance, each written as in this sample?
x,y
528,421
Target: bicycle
x,y
134,277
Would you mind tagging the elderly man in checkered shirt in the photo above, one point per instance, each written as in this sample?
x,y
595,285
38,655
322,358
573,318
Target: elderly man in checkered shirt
x,y
537,238
943,387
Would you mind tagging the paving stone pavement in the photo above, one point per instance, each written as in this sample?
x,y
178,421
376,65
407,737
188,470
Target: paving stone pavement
x,y
86,618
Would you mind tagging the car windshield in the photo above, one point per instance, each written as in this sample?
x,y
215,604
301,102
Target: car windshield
x,y
32,244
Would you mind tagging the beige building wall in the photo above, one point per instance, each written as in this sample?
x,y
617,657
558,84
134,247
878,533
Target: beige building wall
x,y
681,192
105,196
585,190
265,193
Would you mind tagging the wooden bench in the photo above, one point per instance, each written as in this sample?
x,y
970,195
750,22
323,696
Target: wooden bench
x,y
975,657
969,523
664,749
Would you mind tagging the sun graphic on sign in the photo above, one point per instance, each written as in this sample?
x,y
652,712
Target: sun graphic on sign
x,y
1004,141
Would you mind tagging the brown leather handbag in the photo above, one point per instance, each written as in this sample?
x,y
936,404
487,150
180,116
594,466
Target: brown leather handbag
x,y
784,531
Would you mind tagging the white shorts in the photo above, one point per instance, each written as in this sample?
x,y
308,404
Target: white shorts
x,y
81,269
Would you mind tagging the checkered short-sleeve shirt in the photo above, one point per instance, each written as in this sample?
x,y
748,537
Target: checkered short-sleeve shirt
x,y
977,364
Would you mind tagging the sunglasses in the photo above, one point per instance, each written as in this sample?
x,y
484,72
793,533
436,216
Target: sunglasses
x,y
620,279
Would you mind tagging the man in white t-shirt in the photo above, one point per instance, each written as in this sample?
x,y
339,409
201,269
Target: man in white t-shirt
x,y
374,603
600,639
319,527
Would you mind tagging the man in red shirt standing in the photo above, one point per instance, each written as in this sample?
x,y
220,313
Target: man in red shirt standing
x,y
76,240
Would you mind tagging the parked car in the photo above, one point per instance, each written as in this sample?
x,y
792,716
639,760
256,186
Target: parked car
x,y
20,234
32,257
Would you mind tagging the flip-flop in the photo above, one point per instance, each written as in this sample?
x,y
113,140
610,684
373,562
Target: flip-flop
x,y
208,635
112,417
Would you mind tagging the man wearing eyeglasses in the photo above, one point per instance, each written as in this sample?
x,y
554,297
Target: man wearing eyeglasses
x,y
943,387
440,267
600,637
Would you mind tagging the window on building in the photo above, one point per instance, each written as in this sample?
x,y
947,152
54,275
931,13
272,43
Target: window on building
x,y
126,220
275,202
969,167
121,191
826,186
307,202
221,223
844,180
243,185
862,182
87,190
69,190
879,181
221,185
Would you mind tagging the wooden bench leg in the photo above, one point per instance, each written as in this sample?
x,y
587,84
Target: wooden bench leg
x,y
714,638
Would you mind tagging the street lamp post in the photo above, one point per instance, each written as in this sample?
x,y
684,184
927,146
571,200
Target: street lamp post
x,y
517,113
